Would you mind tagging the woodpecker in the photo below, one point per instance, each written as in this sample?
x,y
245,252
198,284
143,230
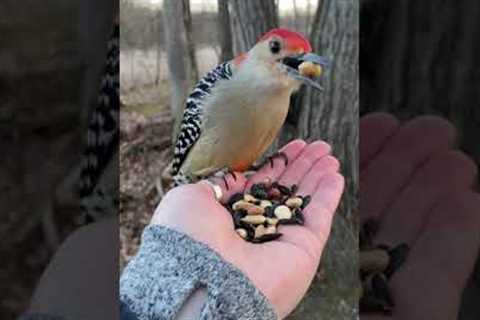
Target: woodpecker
x,y
98,183
236,110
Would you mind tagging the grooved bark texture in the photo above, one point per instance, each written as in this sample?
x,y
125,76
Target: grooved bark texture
x,y
187,20
250,19
177,57
224,31
330,115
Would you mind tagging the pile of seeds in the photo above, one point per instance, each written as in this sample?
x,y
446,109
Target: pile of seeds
x,y
378,263
257,214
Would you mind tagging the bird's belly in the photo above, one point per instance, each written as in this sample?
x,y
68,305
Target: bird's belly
x,y
235,140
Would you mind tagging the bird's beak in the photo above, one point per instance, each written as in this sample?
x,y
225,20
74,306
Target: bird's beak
x,y
306,68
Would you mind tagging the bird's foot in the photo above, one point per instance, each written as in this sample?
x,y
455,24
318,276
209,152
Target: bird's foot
x,y
270,160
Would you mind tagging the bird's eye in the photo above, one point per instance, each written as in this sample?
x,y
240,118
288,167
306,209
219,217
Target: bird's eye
x,y
275,46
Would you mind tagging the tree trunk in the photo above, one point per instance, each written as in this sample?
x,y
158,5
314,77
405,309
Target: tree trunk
x,y
225,31
296,19
176,45
332,115
158,49
187,20
250,19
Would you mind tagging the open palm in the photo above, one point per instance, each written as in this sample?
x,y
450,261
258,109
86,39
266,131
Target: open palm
x,y
281,269
419,188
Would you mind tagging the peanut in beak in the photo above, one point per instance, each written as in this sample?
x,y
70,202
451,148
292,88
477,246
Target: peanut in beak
x,y
310,69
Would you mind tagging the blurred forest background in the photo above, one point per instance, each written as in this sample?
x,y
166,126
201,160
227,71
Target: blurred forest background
x,y
167,45
421,57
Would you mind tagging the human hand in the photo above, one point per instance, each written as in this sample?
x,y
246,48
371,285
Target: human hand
x,y
283,269
420,190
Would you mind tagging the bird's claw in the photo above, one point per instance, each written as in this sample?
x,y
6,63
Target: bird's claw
x,y
270,160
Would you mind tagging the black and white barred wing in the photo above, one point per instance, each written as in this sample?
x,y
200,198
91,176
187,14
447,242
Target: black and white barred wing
x,y
98,171
191,126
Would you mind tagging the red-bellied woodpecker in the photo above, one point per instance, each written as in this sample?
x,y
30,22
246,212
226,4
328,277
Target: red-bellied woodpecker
x,y
237,109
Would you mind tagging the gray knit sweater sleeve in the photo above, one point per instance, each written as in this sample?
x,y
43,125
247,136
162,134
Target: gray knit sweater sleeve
x,y
170,266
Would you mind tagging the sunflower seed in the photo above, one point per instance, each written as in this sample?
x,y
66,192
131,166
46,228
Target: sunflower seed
x,y
305,201
299,218
284,190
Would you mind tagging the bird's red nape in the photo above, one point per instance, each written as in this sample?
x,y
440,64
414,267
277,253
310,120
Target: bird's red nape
x,y
293,40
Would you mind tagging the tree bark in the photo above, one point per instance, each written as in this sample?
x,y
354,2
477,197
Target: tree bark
x,y
332,115
187,20
225,31
176,45
250,19
158,48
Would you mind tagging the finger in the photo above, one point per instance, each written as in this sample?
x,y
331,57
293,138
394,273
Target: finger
x,y
235,184
298,168
439,264
375,129
310,182
390,170
318,216
292,150
438,177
